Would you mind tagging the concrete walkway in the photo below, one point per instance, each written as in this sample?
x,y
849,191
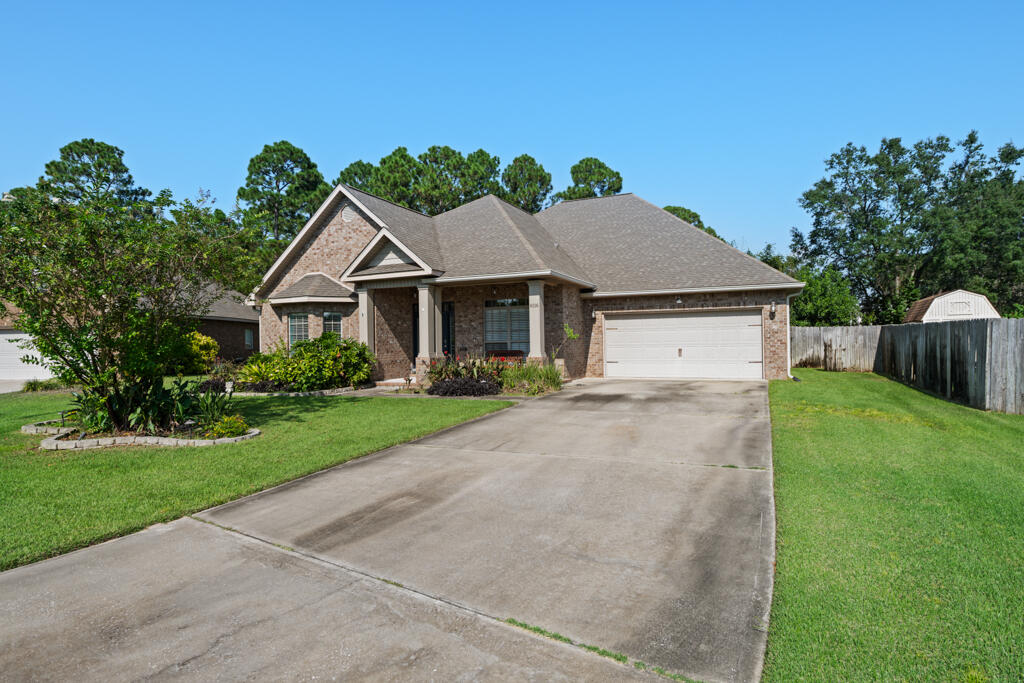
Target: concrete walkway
x,y
634,516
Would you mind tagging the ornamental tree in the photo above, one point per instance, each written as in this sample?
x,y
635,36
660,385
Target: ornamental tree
x,y
109,289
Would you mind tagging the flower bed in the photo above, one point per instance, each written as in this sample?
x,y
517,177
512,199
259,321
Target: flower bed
x,y
476,376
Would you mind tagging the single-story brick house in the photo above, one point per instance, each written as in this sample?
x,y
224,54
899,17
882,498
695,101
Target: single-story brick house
x,y
650,295
234,324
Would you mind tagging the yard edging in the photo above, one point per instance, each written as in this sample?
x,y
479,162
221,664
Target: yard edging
x,y
57,442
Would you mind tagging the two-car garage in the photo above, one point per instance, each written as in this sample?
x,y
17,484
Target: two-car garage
x,y
670,344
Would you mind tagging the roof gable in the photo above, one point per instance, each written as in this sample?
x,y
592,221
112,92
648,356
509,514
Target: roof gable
x,y
386,255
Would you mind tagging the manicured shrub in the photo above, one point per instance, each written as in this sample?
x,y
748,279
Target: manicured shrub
x,y
228,427
464,386
199,354
325,362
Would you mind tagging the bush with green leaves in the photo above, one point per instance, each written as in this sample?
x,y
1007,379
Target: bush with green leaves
x,y
108,280
199,354
457,367
157,409
228,427
325,362
51,384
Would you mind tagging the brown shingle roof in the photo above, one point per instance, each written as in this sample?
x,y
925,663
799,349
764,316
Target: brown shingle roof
x,y
626,244
917,310
619,243
315,285
229,306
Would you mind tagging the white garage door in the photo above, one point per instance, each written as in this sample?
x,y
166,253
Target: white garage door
x,y
720,345
11,366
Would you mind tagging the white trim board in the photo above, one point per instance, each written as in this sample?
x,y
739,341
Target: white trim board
x,y
694,290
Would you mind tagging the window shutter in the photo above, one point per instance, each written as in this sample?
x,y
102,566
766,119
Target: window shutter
x,y
519,325
495,325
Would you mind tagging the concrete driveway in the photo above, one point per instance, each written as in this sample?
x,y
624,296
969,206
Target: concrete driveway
x,y
9,386
634,516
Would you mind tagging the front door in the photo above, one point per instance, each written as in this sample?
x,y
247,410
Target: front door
x,y
448,328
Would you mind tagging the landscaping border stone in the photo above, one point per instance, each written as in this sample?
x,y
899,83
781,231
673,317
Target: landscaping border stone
x,y
321,392
45,427
57,441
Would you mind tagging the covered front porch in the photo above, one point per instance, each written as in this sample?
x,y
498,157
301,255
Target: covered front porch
x,y
409,324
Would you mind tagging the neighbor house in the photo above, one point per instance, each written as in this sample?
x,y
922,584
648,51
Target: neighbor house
x,y
11,353
956,305
650,295
234,324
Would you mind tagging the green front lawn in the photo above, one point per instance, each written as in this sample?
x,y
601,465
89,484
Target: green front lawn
x,y
900,535
55,501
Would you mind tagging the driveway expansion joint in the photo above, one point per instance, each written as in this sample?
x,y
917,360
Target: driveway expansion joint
x,y
395,585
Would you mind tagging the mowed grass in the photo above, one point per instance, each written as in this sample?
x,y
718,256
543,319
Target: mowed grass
x,y
900,535
55,501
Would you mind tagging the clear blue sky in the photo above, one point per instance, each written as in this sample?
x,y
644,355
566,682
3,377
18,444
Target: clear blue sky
x,y
726,108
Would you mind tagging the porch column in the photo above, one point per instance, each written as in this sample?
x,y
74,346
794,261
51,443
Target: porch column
x,y
366,318
536,319
428,314
438,326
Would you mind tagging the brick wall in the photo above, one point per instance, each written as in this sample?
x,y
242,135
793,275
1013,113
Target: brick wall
x,y
469,312
274,321
393,331
230,335
774,342
574,352
340,236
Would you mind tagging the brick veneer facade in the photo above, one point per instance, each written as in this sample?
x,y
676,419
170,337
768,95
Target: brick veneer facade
x,y
331,248
584,357
775,347
346,230
230,335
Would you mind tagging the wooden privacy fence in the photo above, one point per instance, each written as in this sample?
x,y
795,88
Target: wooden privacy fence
x,y
977,362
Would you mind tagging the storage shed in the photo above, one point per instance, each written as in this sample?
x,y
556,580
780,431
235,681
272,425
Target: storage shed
x,y
956,305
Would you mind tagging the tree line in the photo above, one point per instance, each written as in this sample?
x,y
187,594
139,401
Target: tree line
x,y
887,227
905,222
284,187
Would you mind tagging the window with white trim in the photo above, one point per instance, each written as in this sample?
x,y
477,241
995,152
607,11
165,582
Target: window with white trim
x,y
332,322
298,327
248,339
507,325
